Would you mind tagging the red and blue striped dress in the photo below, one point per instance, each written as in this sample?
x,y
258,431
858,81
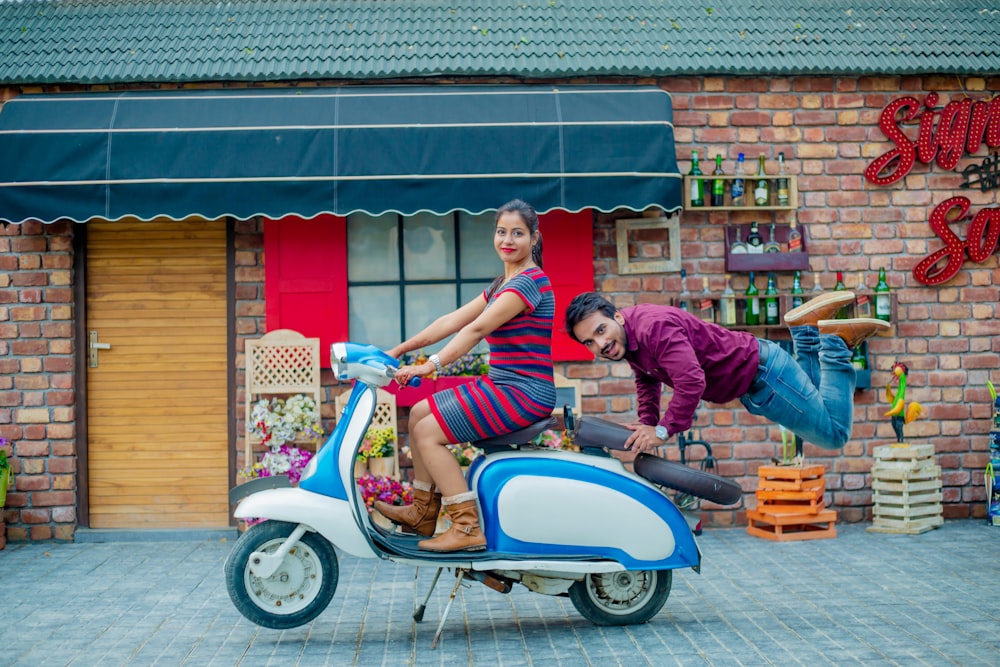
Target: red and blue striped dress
x,y
519,389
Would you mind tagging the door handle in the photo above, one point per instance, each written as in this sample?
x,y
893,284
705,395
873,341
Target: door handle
x,y
94,347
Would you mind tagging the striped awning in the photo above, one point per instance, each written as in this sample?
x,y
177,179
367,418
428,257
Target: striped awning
x,y
340,150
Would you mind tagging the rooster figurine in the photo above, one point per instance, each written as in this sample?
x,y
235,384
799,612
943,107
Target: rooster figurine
x,y
900,412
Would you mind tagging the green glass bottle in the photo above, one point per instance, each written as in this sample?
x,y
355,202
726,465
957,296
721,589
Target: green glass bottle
x,y
797,298
858,358
697,184
718,184
771,300
883,302
840,287
752,294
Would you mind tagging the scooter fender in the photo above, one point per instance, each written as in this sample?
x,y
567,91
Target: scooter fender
x,y
570,504
330,517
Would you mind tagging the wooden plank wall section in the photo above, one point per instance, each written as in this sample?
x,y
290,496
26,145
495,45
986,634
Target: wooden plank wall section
x,y
157,402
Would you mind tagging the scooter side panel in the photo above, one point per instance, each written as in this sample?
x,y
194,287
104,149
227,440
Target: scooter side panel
x,y
330,517
561,505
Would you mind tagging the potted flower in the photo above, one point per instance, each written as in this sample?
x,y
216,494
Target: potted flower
x,y
552,439
6,482
278,422
465,454
387,490
377,451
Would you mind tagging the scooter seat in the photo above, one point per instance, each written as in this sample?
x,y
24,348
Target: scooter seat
x,y
594,432
519,437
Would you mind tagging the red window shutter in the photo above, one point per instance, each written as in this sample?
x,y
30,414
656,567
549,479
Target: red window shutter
x,y
568,254
305,277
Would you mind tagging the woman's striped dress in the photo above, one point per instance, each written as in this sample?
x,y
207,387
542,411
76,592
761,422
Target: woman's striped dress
x,y
519,390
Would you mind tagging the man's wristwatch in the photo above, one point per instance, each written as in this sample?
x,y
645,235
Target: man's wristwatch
x,y
661,432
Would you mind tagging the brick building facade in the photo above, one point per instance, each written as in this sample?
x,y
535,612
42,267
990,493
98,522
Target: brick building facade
x,y
827,128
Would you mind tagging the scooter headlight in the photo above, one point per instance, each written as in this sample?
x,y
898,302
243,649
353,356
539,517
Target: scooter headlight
x,y
338,360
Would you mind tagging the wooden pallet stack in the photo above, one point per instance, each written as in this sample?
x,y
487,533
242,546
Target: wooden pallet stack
x,y
791,505
906,485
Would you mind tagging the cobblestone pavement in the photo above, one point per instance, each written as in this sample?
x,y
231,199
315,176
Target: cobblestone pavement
x,y
860,598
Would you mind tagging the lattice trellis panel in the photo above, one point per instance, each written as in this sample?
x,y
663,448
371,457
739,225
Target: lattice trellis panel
x,y
385,416
280,363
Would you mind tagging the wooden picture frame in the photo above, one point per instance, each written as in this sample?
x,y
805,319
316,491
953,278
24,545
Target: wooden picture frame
x,y
635,230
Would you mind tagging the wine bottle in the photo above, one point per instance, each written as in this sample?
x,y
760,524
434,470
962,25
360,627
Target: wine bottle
x,y
883,301
706,305
772,244
718,184
862,304
794,237
737,191
762,190
771,300
797,298
817,285
753,302
839,286
858,359
697,184
685,295
727,304
755,244
782,181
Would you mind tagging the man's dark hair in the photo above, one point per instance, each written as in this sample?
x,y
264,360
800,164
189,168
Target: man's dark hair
x,y
583,306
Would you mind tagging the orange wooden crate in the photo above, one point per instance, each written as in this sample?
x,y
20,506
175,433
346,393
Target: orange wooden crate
x,y
787,527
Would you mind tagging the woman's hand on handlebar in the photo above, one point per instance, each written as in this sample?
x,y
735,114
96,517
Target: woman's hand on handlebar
x,y
406,373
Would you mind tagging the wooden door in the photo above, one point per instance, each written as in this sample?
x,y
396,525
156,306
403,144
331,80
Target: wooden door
x,y
157,401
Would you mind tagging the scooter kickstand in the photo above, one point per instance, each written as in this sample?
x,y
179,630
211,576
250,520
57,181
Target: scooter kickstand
x,y
459,575
418,615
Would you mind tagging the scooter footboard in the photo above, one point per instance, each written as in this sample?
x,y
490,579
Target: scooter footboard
x,y
689,480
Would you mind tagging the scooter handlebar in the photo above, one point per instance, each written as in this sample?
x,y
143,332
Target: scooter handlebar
x,y
350,361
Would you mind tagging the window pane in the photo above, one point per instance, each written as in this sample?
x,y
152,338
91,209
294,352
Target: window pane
x,y
375,315
424,304
372,248
479,259
469,292
429,248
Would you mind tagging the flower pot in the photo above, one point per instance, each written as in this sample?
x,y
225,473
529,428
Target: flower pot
x,y
382,467
360,468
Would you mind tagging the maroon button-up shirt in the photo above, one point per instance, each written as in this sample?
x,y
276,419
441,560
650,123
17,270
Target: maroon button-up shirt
x,y
700,360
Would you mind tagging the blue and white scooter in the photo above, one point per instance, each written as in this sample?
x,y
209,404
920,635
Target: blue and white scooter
x,y
557,522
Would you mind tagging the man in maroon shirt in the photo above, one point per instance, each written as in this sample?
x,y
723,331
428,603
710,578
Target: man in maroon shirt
x,y
811,394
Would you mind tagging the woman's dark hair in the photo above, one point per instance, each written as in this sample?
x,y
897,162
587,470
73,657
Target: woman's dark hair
x,y
530,218
583,306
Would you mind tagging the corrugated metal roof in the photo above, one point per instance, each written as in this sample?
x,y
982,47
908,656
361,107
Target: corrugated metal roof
x,y
282,40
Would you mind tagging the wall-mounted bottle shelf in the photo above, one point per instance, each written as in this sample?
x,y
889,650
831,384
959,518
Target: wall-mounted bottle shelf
x,y
772,261
793,194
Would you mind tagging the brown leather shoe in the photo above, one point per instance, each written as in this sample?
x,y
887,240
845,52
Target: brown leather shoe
x,y
822,307
853,331
420,517
464,534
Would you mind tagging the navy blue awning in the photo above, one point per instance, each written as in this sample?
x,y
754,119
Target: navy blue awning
x,y
279,152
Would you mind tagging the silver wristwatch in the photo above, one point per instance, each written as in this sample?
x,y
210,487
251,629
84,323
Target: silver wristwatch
x,y
661,432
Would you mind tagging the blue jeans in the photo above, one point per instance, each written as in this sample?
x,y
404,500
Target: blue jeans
x,y
812,394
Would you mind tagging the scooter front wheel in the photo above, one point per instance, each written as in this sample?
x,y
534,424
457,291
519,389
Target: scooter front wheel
x,y
621,598
298,591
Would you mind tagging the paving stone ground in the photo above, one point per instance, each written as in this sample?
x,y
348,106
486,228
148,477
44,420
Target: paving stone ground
x,y
858,599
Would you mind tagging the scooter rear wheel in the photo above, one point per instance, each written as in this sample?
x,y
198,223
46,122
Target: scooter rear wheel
x,y
297,592
621,598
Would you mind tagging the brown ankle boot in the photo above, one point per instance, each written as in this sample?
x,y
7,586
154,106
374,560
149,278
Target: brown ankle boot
x,y
420,517
465,533
853,331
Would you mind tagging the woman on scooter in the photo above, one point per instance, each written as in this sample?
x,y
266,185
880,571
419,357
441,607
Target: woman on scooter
x,y
515,316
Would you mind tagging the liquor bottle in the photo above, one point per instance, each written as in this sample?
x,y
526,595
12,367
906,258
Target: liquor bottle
x,y
782,181
862,304
762,189
727,304
883,302
718,184
771,300
839,286
817,285
706,305
858,359
755,244
737,191
697,184
685,296
772,244
797,298
753,303
794,237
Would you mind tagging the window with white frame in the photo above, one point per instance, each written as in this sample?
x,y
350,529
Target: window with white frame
x,y
405,272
